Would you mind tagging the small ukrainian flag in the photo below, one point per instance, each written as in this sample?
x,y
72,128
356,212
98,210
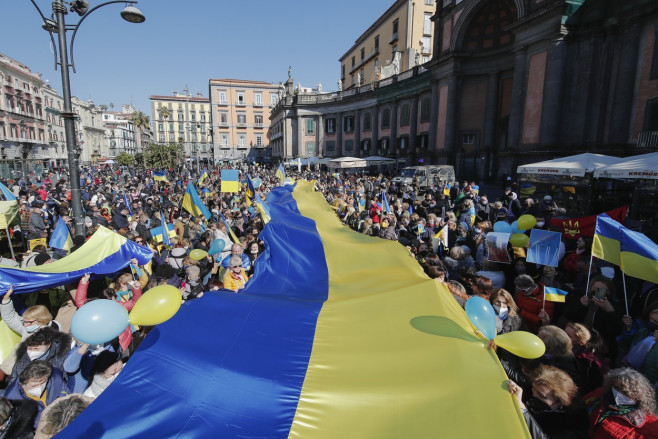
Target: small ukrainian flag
x,y
61,238
554,295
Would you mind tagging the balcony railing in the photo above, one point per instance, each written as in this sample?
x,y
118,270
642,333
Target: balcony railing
x,y
258,125
647,139
241,125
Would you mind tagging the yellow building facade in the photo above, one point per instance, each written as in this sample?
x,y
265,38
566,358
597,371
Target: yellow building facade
x,y
400,39
185,119
241,117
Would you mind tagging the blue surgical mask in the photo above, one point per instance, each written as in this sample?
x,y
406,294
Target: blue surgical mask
x,y
32,328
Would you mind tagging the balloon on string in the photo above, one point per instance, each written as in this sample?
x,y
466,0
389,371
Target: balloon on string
x,y
519,240
256,182
527,222
217,246
99,321
502,227
157,305
197,254
480,312
521,343
515,227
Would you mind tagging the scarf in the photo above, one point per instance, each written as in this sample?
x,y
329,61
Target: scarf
x,y
615,410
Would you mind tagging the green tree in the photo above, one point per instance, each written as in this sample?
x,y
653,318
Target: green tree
x,y
139,159
140,120
164,112
158,156
125,159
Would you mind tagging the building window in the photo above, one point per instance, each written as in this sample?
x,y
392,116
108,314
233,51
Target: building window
x,y
348,124
349,145
181,117
258,99
180,128
342,71
273,98
376,62
242,141
241,100
259,140
427,43
330,146
171,127
353,61
224,142
222,97
223,117
310,148
427,24
386,118
404,115
330,127
394,35
429,2
242,118
468,139
160,127
654,58
367,121
193,116
425,110
377,43
363,53
310,126
258,120
203,117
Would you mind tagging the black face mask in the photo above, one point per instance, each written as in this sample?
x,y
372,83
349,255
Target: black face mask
x,y
536,405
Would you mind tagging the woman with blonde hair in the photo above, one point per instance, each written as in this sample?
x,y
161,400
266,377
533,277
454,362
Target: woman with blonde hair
x,y
507,313
558,352
554,405
235,277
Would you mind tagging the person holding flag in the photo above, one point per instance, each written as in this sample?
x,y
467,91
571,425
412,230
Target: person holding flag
x,y
281,173
193,204
204,175
61,238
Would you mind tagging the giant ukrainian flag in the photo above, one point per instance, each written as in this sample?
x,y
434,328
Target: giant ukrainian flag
x,y
338,336
105,253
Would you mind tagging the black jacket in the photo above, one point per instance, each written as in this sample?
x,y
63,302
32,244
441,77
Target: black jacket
x,y
57,353
21,424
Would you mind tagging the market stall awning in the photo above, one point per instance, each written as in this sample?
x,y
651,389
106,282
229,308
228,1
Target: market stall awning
x,y
347,162
8,211
575,165
643,166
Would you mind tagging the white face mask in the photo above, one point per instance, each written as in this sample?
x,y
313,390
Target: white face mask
x,y
501,311
36,354
36,391
540,224
621,399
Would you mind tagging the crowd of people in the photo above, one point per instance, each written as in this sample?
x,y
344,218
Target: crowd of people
x,y
596,379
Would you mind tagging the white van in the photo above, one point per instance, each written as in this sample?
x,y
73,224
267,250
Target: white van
x,y
425,175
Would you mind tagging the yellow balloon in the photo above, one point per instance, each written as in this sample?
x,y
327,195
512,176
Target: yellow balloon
x,y
527,222
157,305
197,254
522,344
519,240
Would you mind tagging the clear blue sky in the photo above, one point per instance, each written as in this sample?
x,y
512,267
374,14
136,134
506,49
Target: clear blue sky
x,y
188,42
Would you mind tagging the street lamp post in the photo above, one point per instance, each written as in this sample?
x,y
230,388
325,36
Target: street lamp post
x,y
57,24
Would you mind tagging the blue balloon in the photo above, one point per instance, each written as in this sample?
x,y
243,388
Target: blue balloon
x,y
515,228
482,315
502,227
256,182
99,321
217,246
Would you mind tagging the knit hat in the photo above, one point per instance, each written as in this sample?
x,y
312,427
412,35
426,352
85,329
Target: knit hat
x,y
463,225
41,258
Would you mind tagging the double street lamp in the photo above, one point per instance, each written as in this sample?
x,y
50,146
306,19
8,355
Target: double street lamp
x,y
56,24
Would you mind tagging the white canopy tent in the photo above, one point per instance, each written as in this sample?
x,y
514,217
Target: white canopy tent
x,y
347,162
643,166
575,166
377,160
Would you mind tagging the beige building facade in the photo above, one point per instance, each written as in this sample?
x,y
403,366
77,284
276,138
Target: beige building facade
x,y
400,39
241,117
184,118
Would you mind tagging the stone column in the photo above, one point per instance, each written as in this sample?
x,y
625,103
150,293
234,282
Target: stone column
x,y
434,119
518,98
339,135
320,136
357,133
413,126
489,135
393,141
619,127
375,130
551,112
300,135
452,119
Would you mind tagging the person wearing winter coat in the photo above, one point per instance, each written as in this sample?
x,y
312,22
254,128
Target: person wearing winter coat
x,y
17,418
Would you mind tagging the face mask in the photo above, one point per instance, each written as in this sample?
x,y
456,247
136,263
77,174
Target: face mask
x,y
501,311
32,328
37,391
540,224
253,252
621,399
478,231
36,354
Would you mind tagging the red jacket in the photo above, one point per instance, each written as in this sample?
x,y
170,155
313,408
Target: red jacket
x,y
531,305
616,427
